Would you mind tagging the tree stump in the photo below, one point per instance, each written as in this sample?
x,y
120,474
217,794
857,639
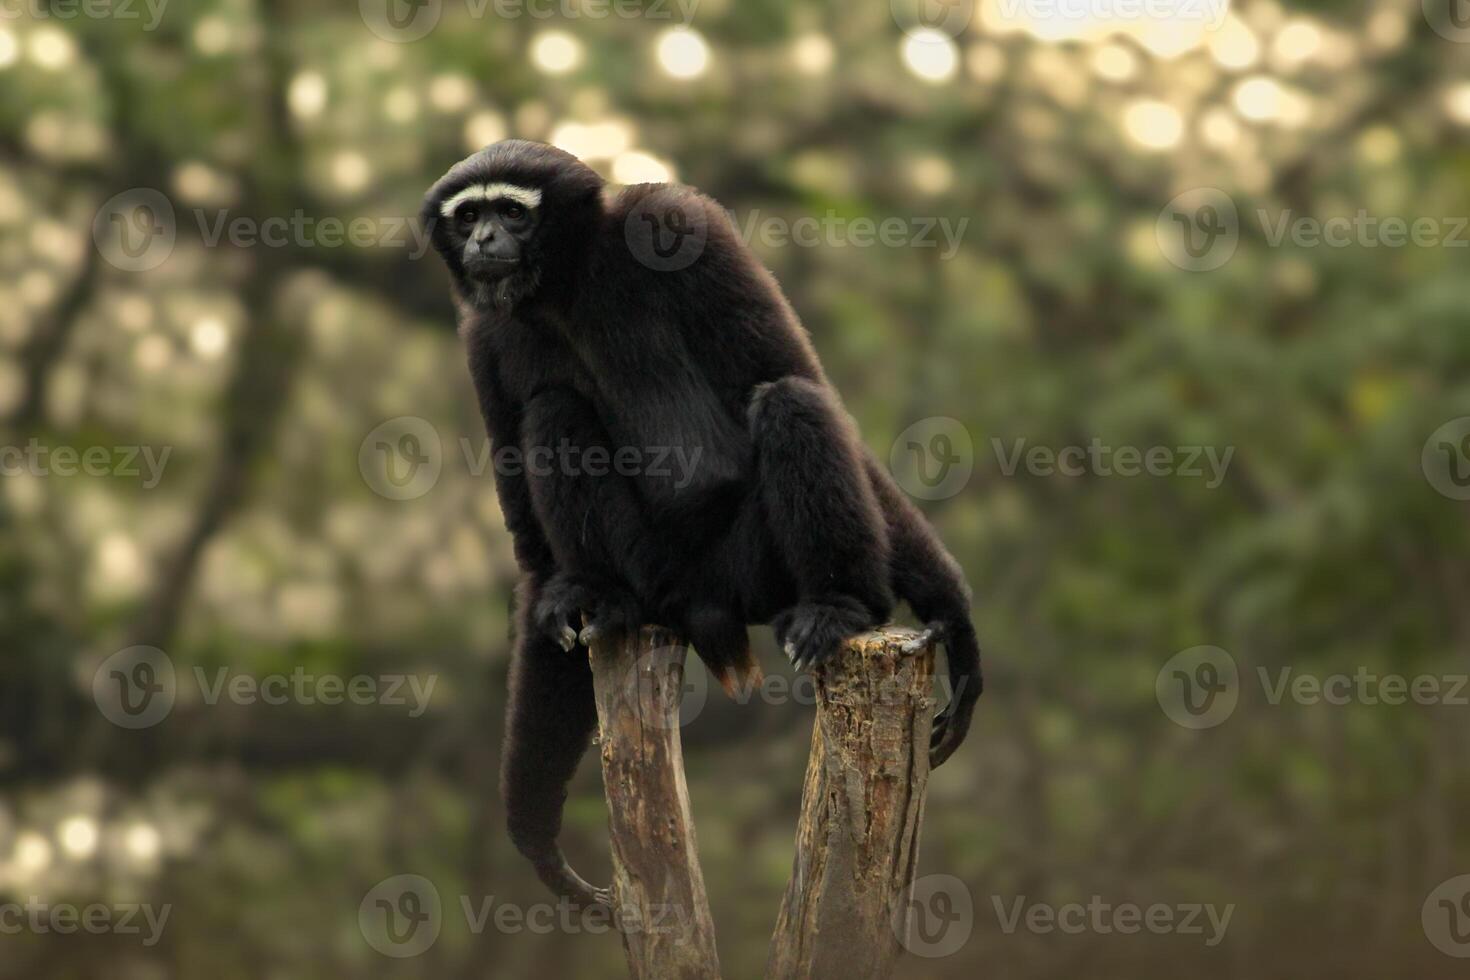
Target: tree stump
x,y
658,889
844,914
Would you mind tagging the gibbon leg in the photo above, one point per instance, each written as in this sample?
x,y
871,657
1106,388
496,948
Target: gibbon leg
x,y
592,521
823,517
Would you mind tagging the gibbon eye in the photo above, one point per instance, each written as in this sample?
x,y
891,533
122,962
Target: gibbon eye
x,y
469,215
515,212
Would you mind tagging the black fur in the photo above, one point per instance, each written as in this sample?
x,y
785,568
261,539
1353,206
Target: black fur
x,y
784,518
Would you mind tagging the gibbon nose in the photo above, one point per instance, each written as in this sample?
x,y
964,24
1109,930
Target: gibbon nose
x,y
497,247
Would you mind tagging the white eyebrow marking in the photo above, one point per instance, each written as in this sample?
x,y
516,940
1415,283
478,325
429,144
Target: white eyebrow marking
x,y
528,197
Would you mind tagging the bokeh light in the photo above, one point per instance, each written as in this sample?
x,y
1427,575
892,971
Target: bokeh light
x,y
593,141
1234,46
1153,125
32,854
351,171
985,62
1114,62
209,337
683,52
931,55
638,167
484,128
556,52
401,104
212,35
1457,102
51,48
9,47
812,54
78,836
143,841
1259,98
451,92
1297,42
307,95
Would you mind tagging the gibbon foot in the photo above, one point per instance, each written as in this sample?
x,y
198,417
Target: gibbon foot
x,y
811,633
932,631
602,610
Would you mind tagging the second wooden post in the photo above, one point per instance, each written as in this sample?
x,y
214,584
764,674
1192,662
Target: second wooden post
x,y
844,915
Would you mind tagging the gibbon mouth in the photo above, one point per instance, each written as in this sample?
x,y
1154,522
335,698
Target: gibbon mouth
x,y
491,265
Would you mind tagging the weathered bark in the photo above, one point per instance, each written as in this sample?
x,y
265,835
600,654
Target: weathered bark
x,y
843,915
658,888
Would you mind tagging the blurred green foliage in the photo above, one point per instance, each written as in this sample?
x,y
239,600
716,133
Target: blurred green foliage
x,y
1064,316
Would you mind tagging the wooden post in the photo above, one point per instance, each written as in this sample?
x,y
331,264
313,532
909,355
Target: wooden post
x,y
658,889
862,805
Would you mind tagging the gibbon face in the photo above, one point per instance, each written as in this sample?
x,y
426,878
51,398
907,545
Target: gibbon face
x,y
506,218
491,224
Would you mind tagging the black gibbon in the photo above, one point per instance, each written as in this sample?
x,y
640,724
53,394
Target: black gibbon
x,y
586,346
